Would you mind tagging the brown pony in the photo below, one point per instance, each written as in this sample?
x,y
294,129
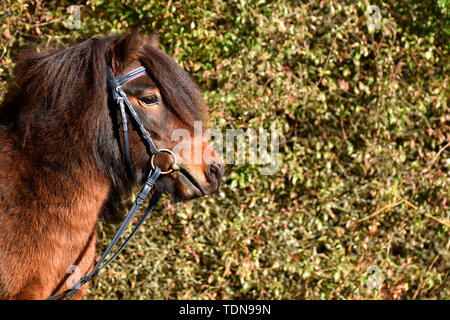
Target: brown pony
x,y
62,160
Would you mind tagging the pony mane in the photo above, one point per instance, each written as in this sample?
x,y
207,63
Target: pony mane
x,y
51,81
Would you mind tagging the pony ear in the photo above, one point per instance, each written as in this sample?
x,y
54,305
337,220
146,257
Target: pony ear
x,y
153,39
125,50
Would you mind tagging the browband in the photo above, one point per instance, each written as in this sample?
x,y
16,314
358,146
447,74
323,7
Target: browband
x,y
136,73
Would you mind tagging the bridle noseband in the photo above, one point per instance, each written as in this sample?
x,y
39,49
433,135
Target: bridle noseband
x,y
121,99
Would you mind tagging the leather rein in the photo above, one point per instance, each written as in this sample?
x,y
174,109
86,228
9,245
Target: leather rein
x,y
125,105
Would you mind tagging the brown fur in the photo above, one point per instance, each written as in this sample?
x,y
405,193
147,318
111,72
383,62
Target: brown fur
x,y
62,159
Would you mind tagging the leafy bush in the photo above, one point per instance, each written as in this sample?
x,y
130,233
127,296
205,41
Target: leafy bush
x,y
364,147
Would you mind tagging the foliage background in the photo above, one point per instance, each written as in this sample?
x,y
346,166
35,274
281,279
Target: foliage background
x,y
364,123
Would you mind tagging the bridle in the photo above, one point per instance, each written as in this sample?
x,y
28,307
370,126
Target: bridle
x,y
119,96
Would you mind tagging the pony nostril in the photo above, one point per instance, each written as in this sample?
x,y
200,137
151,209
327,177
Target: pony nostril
x,y
215,171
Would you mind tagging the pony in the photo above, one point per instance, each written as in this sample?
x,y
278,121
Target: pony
x,y
62,159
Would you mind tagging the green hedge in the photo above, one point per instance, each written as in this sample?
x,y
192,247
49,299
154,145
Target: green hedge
x,y
364,147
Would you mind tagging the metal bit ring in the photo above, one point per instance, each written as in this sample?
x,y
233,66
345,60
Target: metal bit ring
x,y
173,167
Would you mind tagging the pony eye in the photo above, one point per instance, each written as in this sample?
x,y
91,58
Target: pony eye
x,y
149,100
